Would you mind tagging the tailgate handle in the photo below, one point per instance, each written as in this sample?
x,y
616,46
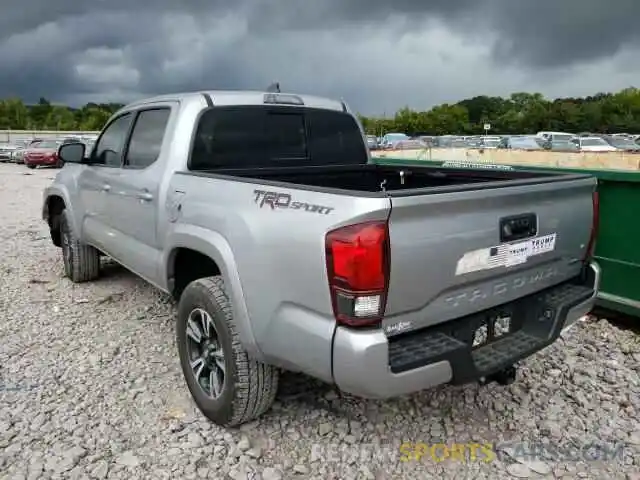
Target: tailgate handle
x,y
518,227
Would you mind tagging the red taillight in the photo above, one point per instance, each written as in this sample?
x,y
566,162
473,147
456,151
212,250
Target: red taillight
x,y
595,224
358,270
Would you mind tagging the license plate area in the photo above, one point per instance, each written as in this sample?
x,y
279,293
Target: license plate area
x,y
534,320
493,327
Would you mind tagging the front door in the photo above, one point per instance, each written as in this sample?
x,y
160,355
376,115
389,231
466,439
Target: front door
x,y
135,203
95,182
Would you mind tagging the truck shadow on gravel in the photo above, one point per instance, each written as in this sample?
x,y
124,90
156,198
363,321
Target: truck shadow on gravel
x,y
299,392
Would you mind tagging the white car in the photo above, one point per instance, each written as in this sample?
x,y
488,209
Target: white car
x,y
593,144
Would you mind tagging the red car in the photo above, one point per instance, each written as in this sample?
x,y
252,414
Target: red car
x,y
42,153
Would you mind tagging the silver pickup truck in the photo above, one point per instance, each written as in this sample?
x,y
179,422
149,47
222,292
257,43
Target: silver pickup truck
x,y
286,249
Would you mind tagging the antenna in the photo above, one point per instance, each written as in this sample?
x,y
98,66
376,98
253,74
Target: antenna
x,y
274,87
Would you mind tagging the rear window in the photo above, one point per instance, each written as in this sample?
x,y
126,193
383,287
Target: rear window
x,y
259,137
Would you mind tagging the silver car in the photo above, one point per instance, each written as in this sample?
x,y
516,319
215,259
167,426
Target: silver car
x,y
6,151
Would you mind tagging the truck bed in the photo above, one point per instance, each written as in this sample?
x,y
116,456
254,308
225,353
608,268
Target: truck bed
x,y
444,222
394,180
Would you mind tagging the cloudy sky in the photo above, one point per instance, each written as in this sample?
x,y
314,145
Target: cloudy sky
x,y
378,55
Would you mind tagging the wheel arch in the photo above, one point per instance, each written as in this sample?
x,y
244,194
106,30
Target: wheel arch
x,y
53,207
207,253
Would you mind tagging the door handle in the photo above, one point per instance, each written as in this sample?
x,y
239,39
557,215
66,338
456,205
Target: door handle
x,y
146,196
106,187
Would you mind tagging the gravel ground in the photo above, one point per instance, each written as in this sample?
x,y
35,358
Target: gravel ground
x,y
90,387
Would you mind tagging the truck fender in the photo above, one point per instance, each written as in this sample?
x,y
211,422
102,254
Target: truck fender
x,y
216,247
60,191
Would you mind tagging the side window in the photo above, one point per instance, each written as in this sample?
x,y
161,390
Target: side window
x,y
146,137
108,150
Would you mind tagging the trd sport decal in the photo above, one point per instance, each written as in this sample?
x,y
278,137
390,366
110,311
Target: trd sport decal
x,y
283,200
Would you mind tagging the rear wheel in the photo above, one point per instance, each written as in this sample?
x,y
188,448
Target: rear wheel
x,y
81,262
228,387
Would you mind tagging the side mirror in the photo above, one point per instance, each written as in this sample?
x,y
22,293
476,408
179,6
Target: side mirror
x,y
72,152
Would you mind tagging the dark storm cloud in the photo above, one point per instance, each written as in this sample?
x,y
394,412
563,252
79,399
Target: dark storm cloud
x,y
552,33
537,33
378,54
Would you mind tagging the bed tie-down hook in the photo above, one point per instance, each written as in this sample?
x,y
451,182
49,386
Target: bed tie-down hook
x,y
383,186
403,174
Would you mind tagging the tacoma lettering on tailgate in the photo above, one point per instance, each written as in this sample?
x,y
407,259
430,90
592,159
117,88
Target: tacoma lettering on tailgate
x,y
283,200
500,288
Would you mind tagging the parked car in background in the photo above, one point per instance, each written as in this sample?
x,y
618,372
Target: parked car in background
x,y
428,140
89,144
490,142
593,144
7,150
33,141
484,142
390,140
556,136
622,143
372,142
411,144
41,154
520,143
18,153
561,146
450,141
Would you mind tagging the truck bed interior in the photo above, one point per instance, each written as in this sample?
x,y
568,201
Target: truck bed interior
x,y
372,178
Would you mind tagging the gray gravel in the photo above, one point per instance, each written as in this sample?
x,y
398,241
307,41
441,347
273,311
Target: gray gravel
x,y
90,387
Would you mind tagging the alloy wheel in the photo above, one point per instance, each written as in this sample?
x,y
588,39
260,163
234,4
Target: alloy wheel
x,y
205,353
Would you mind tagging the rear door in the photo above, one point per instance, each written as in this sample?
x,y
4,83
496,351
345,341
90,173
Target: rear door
x,y
456,253
135,203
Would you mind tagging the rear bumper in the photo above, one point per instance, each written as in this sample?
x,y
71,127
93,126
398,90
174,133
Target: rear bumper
x,y
368,364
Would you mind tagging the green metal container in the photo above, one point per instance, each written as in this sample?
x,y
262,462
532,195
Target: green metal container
x,y
618,242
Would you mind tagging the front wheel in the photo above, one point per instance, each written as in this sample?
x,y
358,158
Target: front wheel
x,y
228,387
81,261
31,166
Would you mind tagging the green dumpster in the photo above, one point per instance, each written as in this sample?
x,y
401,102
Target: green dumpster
x,y
618,242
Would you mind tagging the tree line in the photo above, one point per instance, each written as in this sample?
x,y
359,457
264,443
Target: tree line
x,y
16,115
519,113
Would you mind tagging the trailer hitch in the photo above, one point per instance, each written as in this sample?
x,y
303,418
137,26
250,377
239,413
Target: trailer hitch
x,y
503,377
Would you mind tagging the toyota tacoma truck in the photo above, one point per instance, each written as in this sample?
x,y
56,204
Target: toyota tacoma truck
x,y
286,249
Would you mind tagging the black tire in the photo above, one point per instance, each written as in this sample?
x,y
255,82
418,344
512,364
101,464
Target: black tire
x,y
81,262
249,387
31,166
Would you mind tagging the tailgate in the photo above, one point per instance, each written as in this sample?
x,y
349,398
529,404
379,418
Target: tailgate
x,y
456,253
